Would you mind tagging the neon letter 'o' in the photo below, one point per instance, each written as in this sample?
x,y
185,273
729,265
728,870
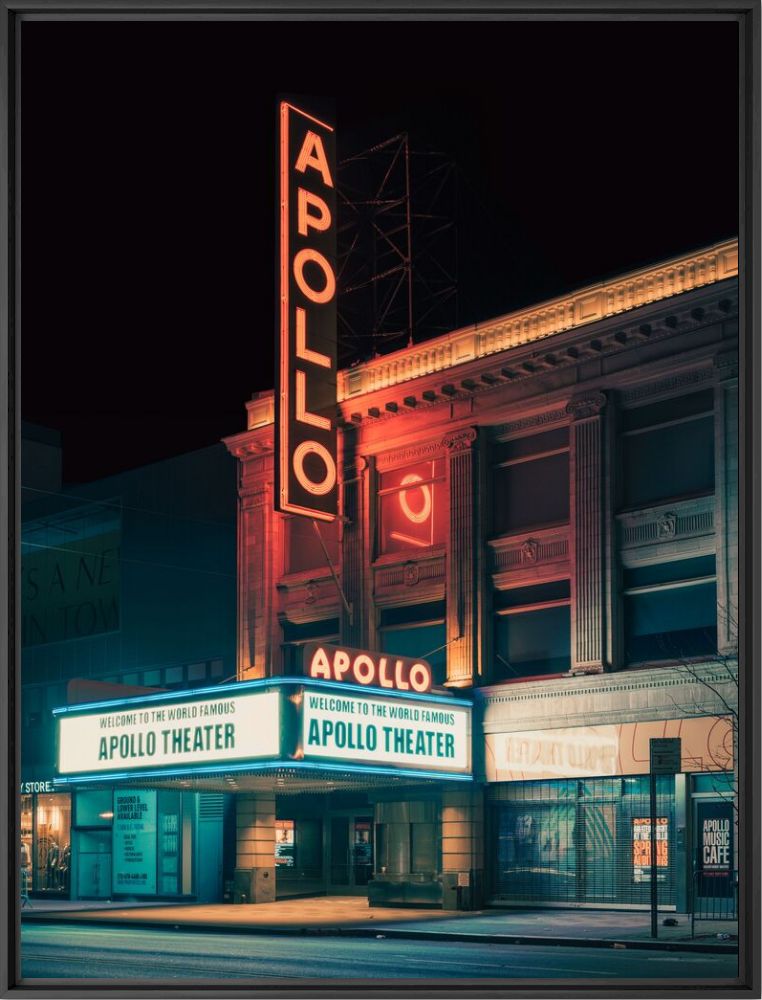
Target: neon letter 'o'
x,y
330,280
314,448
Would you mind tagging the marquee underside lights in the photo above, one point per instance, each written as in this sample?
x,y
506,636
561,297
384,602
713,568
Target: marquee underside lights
x,y
306,476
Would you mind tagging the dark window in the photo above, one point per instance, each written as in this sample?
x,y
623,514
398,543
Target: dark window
x,y
295,637
417,631
412,507
303,548
670,611
533,631
531,482
668,450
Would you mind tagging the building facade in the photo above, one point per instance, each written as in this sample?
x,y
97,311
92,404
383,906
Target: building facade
x,y
544,508
128,586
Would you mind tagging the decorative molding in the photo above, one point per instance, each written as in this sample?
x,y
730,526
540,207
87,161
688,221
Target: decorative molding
x,y
410,573
726,364
657,283
666,385
588,405
683,520
461,440
538,420
398,456
516,552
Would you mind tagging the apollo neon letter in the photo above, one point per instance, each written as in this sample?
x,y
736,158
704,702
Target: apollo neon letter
x,y
307,221
312,154
306,433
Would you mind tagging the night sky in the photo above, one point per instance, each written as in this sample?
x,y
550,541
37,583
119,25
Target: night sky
x,y
584,150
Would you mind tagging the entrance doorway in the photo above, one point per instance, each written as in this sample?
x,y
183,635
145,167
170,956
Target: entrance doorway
x,y
349,850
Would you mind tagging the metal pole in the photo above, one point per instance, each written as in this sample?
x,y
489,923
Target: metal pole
x,y
654,884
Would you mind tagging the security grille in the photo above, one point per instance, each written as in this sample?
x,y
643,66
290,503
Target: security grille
x,y
581,841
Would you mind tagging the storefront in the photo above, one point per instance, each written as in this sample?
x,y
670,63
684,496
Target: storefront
x,y
569,818
45,855
335,788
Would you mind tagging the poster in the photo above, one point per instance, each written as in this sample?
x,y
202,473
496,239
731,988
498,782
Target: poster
x,y
284,843
714,831
641,849
134,858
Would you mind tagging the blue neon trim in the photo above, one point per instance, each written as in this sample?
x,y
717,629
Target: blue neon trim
x,y
279,764
242,687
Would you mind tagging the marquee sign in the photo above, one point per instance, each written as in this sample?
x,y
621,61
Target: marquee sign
x,y
422,735
306,471
275,724
358,666
157,734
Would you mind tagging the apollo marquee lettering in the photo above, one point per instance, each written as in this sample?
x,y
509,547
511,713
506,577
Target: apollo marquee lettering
x,y
356,666
306,471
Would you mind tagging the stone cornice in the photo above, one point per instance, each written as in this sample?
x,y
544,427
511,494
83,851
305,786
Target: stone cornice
x,y
588,305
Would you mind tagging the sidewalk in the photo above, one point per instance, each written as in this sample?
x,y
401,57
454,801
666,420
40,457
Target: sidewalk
x,y
351,916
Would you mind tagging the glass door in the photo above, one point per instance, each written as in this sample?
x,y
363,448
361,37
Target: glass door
x,y
350,854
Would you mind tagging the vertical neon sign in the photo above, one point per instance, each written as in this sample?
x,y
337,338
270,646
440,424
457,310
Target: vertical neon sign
x,y
306,474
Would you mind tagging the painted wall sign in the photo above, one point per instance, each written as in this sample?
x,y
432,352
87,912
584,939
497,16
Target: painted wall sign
x,y
596,751
134,844
305,427
410,733
358,666
162,734
70,586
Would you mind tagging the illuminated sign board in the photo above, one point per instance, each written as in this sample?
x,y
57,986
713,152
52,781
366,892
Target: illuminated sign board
x,y
163,734
357,666
641,848
420,734
274,724
306,471
134,844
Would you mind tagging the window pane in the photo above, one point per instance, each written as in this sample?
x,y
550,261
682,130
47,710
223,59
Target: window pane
x,y
681,569
533,643
303,548
173,675
413,516
94,808
557,590
671,624
668,409
531,494
196,671
505,451
419,642
53,843
412,613
668,462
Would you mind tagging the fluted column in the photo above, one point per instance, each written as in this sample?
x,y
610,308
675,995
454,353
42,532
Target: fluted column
x,y
462,631
726,500
354,627
588,619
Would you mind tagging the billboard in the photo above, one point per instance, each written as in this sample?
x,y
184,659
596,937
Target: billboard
x,y
305,378
134,843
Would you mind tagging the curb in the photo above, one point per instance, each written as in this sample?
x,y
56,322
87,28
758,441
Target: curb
x,y
706,948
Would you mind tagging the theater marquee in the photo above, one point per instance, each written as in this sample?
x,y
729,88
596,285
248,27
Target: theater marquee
x,y
306,473
270,725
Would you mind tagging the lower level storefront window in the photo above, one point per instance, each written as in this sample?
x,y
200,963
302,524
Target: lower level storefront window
x,y
51,855
582,841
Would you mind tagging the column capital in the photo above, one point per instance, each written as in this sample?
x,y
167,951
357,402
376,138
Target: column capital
x,y
588,405
461,440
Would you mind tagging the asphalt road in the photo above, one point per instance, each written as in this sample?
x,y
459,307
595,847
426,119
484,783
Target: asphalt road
x,y
86,952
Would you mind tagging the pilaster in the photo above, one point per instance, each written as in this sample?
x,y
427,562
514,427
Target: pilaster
x,y
462,847
586,531
461,564
354,630
726,500
255,848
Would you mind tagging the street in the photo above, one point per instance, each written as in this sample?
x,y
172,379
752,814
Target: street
x,y
86,952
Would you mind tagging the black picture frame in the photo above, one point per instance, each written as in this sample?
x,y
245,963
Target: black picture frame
x,y
747,13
